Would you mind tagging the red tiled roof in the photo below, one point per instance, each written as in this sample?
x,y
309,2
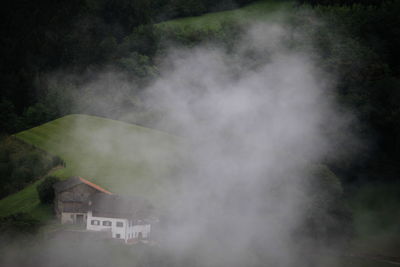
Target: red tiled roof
x,y
95,186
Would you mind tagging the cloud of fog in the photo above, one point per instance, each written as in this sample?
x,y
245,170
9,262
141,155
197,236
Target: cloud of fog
x,y
253,118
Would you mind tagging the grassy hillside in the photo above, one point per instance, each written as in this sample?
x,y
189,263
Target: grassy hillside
x,y
123,158
264,9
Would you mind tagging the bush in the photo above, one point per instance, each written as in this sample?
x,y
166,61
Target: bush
x,y
45,189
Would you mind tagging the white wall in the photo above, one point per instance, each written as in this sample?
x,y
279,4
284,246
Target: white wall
x,y
113,228
128,231
133,231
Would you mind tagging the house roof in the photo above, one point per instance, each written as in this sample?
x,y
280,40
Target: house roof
x,y
114,206
75,180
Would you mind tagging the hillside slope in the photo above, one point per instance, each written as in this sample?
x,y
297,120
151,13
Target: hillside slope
x,y
123,158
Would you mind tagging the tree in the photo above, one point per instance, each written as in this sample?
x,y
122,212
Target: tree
x,y
45,189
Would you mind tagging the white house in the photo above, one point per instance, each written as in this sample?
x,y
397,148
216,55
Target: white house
x,y
125,218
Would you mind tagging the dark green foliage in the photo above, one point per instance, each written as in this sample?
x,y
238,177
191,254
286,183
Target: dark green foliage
x,y
76,35
8,117
37,114
45,189
328,220
21,164
364,60
189,7
137,65
142,40
20,224
127,14
376,205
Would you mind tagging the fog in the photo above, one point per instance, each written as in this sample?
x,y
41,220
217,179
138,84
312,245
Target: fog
x,y
255,120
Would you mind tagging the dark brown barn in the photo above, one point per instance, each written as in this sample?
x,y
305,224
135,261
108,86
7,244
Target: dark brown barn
x,y
72,197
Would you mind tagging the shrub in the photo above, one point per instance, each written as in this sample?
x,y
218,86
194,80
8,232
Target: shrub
x,y
45,189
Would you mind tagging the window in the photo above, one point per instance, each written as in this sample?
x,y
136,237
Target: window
x,y
118,236
95,222
120,224
106,223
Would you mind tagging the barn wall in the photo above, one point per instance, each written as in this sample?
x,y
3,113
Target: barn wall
x,y
78,192
74,207
78,197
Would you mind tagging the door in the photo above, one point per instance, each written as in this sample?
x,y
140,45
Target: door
x,y
79,219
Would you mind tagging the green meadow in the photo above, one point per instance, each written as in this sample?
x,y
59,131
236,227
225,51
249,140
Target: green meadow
x,y
123,158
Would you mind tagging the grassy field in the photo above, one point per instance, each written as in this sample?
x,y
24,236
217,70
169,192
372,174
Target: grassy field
x,y
123,158
260,10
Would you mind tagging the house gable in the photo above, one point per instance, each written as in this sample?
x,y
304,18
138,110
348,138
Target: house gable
x,y
72,196
74,181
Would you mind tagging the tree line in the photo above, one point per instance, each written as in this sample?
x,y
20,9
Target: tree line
x,y
43,36
22,164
